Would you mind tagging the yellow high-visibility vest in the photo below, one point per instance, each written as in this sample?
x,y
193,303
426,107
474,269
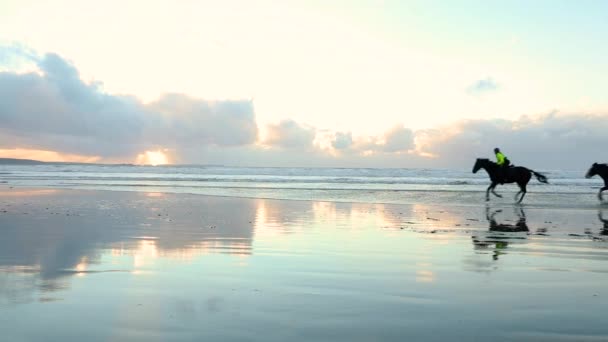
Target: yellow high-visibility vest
x,y
500,158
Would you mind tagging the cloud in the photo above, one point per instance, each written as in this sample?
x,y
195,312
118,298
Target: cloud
x,y
185,120
398,139
252,155
53,109
57,110
553,140
52,112
342,140
290,134
483,86
16,56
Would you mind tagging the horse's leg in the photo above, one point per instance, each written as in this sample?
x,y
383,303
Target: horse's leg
x,y
517,194
599,194
523,191
495,194
522,197
490,188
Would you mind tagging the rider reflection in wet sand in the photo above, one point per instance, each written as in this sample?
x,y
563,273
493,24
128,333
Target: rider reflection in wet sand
x,y
500,242
520,226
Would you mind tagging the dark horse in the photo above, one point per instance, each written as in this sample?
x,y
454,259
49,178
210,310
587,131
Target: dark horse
x,y
515,174
602,170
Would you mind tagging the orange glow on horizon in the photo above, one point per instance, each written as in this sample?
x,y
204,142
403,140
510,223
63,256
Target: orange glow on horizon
x,y
47,156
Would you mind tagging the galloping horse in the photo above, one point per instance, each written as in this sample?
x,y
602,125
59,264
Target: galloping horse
x,y
516,174
602,170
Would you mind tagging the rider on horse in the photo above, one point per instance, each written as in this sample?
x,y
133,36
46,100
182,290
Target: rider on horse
x,y
503,162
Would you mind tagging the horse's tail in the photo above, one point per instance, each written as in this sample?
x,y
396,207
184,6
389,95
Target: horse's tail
x,y
541,178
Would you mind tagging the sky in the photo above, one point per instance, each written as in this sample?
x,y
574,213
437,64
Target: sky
x,y
304,83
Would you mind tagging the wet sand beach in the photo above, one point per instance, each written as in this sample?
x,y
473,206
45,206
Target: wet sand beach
x,y
135,266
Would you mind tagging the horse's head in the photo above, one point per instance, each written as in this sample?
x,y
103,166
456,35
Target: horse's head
x,y
594,170
479,163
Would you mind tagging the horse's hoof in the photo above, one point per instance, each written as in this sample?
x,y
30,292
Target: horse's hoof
x,y
499,196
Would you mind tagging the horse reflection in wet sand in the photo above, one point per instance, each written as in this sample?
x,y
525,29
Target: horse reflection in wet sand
x,y
604,230
602,171
500,241
515,174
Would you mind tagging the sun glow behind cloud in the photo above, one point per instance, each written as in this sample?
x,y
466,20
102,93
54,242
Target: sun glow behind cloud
x,y
153,158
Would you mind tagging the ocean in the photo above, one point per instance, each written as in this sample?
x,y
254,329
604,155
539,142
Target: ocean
x,y
357,185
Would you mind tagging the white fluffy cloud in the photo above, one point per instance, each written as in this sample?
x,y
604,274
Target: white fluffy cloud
x,y
290,134
189,121
398,139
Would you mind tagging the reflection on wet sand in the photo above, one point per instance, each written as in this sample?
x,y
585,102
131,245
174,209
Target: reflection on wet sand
x,y
519,226
498,236
555,235
43,243
50,242
26,192
604,230
165,267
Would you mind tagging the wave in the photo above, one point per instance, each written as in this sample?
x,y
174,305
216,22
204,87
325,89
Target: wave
x,y
280,181
326,189
334,180
256,179
458,183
